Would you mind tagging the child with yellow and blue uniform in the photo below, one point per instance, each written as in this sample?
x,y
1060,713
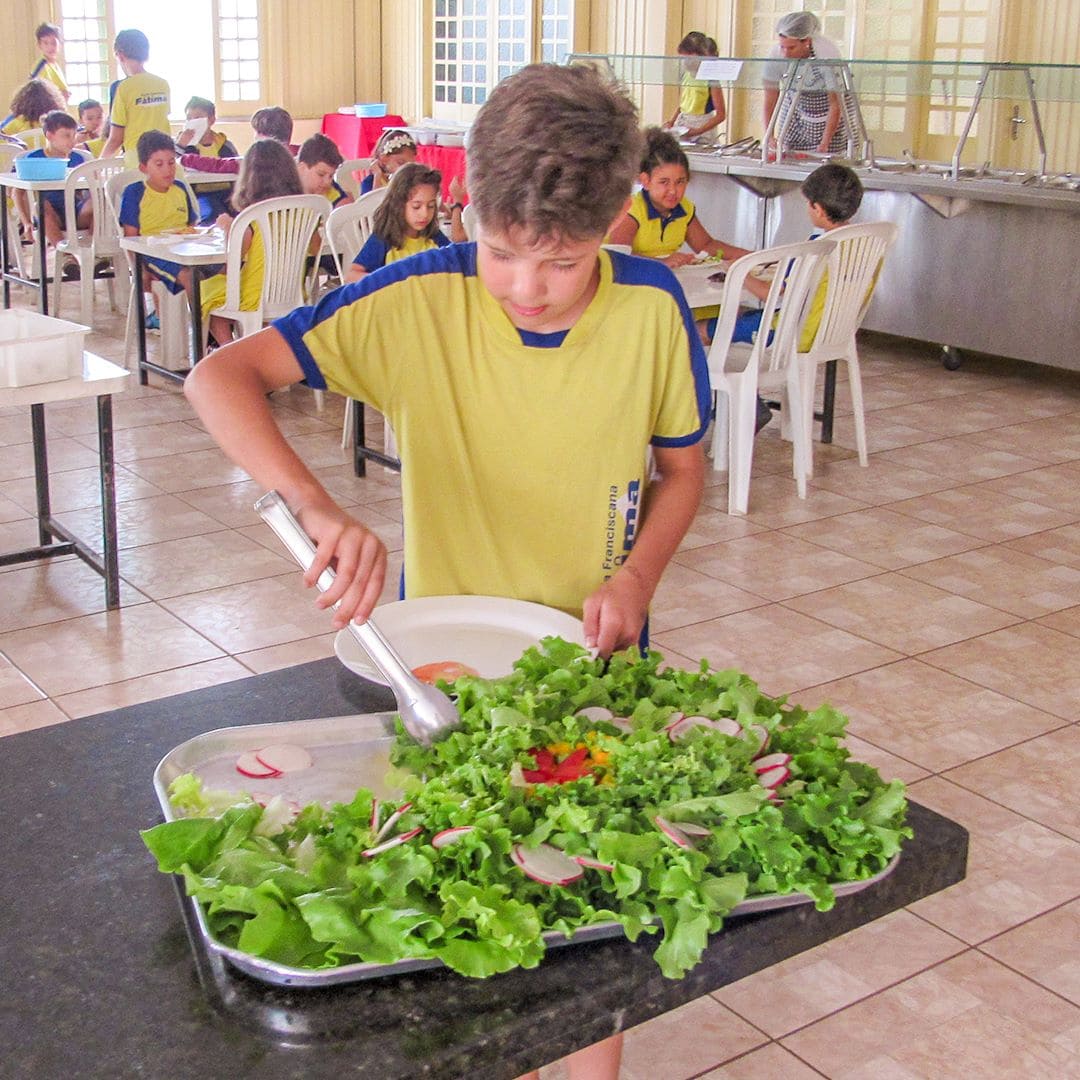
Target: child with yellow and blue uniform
x,y
213,198
158,204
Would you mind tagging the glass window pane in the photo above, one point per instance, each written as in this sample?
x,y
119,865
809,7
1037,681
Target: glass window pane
x,y
230,71
249,49
230,49
248,28
249,91
249,69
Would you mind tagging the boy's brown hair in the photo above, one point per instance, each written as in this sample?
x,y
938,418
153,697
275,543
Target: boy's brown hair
x,y
150,142
34,99
203,105
268,171
273,122
388,222
319,149
48,30
554,152
56,120
836,189
133,44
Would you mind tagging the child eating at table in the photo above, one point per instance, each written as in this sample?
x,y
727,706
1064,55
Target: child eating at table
x,y
525,376
60,130
92,127
660,218
317,162
158,204
213,198
394,149
406,222
268,171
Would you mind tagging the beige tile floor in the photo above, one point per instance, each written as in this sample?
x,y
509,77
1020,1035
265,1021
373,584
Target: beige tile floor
x,y
934,597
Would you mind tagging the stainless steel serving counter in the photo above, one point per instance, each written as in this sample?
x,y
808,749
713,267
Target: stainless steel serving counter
x,y
988,264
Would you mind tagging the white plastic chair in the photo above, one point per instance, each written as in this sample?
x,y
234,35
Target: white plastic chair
x,y
8,153
343,175
286,226
348,227
102,241
737,370
852,271
172,308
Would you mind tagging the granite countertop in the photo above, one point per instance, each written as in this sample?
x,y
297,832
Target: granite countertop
x,y
103,981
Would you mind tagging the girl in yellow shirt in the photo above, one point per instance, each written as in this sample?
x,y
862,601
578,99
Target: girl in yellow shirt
x,y
268,171
701,107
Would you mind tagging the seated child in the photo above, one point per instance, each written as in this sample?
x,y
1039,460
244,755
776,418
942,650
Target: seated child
x,y
92,127
317,162
213,198
394,149
31,102
60,130
272,122
833,194
155,205
661,219
268,172
405,223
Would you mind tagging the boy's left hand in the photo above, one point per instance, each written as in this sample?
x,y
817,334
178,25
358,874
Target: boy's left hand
x,y
616,612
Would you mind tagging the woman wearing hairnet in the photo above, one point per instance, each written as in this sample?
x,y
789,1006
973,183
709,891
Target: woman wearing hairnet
x,y
817,123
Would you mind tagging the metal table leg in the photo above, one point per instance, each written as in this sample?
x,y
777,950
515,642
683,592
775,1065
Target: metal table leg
x,y
140,314
110,552
41,473
43,270
828,402
5,246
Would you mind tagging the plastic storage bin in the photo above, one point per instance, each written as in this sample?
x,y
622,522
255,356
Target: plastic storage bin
x,y
362,108
40,168
37,349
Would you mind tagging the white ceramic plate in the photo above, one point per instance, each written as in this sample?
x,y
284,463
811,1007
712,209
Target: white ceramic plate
x,y
486,632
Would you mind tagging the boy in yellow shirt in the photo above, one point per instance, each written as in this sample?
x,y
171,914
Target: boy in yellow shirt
x,y
91,127
525,376
157,204
48,67
213,198
141,102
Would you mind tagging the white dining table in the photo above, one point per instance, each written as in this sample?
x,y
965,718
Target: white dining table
x,y
9,259
699,291
195,250
99,379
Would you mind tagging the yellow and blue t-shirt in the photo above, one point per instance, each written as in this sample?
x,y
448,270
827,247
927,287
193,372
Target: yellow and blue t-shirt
x,y
524,454
153,212
56,198
658,236
51,73
376,252
140,103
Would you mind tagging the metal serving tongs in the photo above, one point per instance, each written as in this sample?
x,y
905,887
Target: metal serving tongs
x,y
426,712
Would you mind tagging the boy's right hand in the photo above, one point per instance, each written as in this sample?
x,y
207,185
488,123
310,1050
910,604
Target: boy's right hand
x,y
357,556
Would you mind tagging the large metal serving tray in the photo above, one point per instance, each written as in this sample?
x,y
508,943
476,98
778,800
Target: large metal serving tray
x,y
348,752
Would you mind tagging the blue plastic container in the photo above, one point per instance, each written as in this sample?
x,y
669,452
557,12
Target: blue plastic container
x,y
40,168
369,108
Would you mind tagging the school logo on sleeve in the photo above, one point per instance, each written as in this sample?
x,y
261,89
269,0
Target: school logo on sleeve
x,y
622,522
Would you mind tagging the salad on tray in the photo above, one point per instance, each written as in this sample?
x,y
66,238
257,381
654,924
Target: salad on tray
x,y
576,792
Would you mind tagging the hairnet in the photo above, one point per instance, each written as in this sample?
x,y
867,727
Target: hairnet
x,y
799,24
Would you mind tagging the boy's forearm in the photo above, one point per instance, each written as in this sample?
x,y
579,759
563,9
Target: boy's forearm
x,y
228,390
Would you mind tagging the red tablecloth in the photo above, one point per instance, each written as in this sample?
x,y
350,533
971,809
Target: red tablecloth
x,y
449,160
356,136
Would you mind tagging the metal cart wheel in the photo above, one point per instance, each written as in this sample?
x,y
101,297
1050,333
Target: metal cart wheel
x,y
951,358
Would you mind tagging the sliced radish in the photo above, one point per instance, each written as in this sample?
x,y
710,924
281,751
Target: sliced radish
x,y
393,842
673,832
692,828
673,719
769,761
762,734
450,836
284,757
729,726
375,808
622,723
392,820
723,726
595,712
249,765
592,864
546,864
774,777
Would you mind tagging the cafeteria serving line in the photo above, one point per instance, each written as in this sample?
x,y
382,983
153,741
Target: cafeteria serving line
x,y
933,597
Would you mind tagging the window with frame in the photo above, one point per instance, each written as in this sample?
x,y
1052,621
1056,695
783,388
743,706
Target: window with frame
x,y
224,66
86,49
477,43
